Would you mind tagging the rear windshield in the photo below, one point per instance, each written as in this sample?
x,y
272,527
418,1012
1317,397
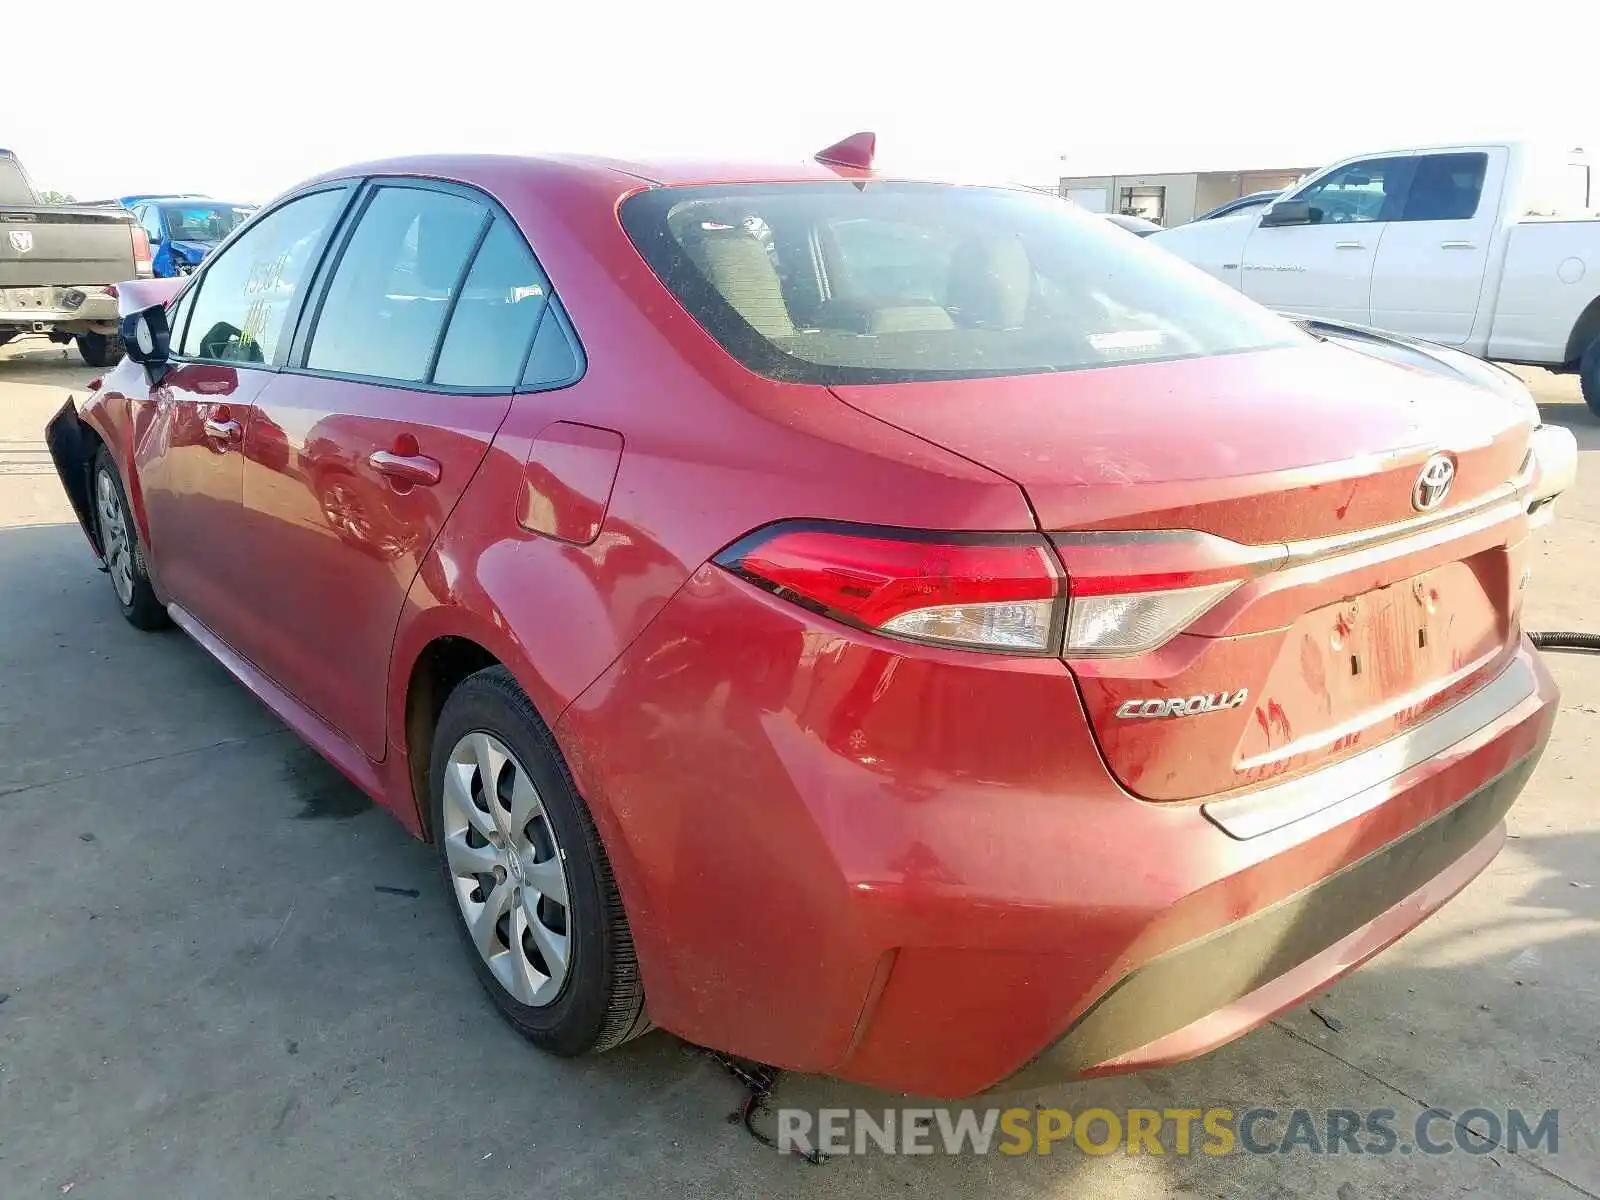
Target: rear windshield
x,y
839,283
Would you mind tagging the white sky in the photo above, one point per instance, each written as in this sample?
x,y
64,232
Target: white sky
x,y
243,100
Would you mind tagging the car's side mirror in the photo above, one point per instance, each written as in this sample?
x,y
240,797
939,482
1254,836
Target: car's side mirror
x,y
1289,212
147,338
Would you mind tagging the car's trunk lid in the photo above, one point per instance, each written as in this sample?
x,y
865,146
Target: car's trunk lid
x,y
1295,469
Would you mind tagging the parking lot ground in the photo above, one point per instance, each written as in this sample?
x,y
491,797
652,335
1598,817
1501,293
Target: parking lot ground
x,y
208,993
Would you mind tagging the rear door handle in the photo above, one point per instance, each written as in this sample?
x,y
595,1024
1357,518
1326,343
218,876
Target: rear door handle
x,y
416,469
1458,245
1348,245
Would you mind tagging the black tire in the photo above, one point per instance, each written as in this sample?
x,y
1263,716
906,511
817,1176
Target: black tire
x,y
100,349
601,1002
1589,376
141,609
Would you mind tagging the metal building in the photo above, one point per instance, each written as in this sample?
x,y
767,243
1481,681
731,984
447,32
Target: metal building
x,y
1172,199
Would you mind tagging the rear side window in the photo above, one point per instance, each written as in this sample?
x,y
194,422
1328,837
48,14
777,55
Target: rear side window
x,y
1446,187
554,361
890,282
396,280
247,292
496,314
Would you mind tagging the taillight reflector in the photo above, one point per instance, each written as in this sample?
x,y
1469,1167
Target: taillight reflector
x,y
143,266
1001,592
1117,625
1132,592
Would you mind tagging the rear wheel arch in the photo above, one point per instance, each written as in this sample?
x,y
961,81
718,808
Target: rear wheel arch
x,y
450,647
1584,333
438,669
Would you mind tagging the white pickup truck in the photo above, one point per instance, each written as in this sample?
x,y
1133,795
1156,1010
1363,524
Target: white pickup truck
x,y
1491,248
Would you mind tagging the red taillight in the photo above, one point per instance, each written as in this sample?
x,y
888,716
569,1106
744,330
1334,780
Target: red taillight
x,y
1000,592
143,266
1120,595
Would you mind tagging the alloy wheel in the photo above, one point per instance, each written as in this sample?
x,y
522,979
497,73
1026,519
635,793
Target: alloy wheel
x,y
118,545
507,869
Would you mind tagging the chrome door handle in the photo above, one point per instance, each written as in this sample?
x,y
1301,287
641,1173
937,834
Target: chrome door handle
x,y
415,469
1458,245
1347,245
222,431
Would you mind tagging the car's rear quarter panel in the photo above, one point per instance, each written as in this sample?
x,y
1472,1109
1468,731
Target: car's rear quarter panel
x,y
843,854
1551,275
710,452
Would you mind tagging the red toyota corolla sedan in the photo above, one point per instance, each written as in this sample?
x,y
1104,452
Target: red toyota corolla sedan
x,y
908,631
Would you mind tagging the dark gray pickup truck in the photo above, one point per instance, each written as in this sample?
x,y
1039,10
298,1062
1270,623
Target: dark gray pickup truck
x,y
57,265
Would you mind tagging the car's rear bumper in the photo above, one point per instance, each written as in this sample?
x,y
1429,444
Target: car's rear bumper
x,y
1209,991
89,306
915,871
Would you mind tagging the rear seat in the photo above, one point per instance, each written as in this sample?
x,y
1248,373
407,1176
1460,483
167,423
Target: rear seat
x,y
740,268
991,281
855,316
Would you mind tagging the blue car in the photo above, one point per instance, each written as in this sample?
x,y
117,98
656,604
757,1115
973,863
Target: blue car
x,y
183,230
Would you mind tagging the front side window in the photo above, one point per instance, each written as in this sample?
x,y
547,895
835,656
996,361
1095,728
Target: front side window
x,y
1446,187
1356,192
896,282
245,297
150,218
395,284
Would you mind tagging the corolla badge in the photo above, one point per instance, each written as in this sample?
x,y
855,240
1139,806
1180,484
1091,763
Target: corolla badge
x,y
1181,706
21,240
1433,483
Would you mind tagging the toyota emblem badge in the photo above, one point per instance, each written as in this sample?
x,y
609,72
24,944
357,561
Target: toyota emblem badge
x,y
1433,484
